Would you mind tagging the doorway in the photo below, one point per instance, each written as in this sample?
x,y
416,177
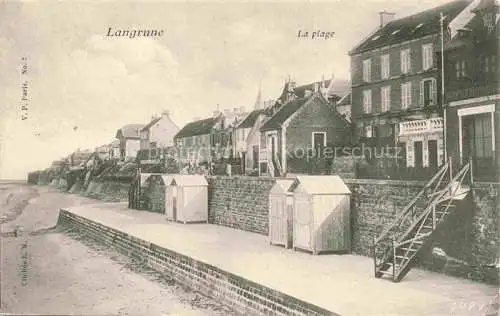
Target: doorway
x,y
433,153
418,150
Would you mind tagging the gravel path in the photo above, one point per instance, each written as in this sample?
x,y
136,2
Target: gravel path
x,y
52,272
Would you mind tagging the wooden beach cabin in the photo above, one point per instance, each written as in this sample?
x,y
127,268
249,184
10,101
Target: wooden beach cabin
x,y
321,215
186,199
281,213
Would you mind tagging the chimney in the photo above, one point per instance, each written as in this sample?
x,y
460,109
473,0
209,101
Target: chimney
x,y
165,113
236,110
242,109
291,86
385,17
216,112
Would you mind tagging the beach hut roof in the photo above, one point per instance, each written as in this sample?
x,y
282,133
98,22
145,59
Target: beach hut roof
x,y
322,185
189,180
283,185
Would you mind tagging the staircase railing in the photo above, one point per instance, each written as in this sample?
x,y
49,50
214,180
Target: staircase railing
x,y
383,245
444,195
270,168
277,163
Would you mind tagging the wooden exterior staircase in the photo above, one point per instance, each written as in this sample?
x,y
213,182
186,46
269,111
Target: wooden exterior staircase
x,y
274,167
396,249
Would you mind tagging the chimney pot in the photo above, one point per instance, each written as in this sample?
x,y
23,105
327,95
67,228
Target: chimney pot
x,y
386,17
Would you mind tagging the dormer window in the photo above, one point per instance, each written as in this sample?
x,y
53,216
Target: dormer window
x,y
488,20
488,11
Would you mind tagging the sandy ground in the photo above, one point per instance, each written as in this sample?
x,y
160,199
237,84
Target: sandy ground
x,y
45,271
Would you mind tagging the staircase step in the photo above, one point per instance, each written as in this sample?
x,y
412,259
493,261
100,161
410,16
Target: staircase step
x,y
386,272
409,249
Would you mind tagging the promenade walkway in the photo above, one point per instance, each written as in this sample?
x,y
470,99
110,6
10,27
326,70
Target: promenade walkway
x,y
343,284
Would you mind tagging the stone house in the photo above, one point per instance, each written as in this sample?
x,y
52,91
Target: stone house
x,y
396,99
195,142
129,137
471,91
306,123
159,132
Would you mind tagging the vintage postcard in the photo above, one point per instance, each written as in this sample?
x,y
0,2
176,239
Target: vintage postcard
x,y
250,157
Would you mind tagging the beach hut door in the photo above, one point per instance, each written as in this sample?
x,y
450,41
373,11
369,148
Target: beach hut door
x,y
302,223
174,203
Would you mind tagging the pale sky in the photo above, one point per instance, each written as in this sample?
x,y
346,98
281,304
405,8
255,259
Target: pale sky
x,y
211,53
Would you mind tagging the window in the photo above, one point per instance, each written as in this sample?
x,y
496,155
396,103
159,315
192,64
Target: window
x,y
367,101
477,136
488,20
367,70
490,64
427,56
460,68
368,132
406,95
385,97
405,61
428,95
318,141
384,65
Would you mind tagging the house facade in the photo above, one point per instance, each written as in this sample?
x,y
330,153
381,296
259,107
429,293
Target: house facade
x,y
297,135
159,133
196,141
472,92
130,141
396,99
306,116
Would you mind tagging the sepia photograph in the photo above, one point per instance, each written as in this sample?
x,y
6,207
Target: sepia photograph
x,y
285,157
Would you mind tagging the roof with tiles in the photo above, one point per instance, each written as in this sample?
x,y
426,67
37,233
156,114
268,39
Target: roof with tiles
x,y
411,27
199,127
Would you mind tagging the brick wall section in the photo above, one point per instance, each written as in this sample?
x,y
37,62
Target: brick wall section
x,y
244,296
240,202
108,190
472,236
374,204
344,167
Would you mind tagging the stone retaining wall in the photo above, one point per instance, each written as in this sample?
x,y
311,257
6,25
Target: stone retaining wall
x,y
244,296
240,202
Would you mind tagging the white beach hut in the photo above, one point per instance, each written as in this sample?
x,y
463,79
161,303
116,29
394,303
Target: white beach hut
x,y
321,214
186,199
281,213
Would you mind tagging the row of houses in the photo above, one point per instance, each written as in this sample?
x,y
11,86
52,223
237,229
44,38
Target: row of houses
x,y
425,84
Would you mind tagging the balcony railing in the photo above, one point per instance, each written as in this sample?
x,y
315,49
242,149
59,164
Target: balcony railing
x,y
472,92
433,125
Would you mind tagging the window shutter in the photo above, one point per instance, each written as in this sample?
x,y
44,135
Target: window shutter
x,y
434,92
422,93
